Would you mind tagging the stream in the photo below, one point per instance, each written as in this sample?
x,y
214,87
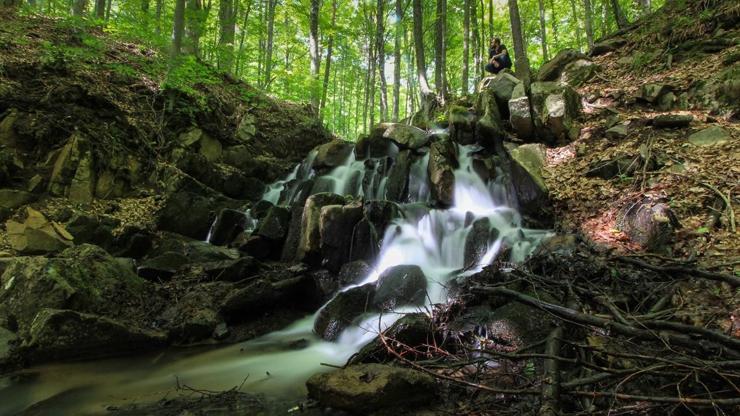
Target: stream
x,y
279,363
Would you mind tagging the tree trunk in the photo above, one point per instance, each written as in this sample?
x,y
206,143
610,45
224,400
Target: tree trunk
x,y
227,21
178,29
476,40
271,4
397,61
440,47
619,16
313,50
466,47
589,23
421,67
195,18
242,37
380,49
574,11
330,46
543,31
79,7
554,25
490,19
522,63
158,17
100,8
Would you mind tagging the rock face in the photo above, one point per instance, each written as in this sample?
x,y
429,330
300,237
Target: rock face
x,y
334,221
442,164
521,117
501,87
332,154
342,310
309,244
526,174
67,335
37,235
462,125
578,72
478,240
368,388
556,108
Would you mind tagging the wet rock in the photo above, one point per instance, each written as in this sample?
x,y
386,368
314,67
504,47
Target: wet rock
x,y
231,270
521,117
11,199
526,175
332,154
478,241
578,72
398,177
670,121
229,224
353,272
368,388
364,242
68,335
374,145
37,235
8,341
462,125
192,318
340,312
226,403
650,224
413,330
334,221
606,46
406,136
275,224
309,246
261,296
221,332
651,93
710,136
617,132
400,286
189,214
134,243
442,163
551,70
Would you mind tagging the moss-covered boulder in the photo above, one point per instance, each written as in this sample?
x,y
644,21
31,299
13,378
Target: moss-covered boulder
x,y
527,164
401,285
368,388
309,244
342,310
406,136
441,167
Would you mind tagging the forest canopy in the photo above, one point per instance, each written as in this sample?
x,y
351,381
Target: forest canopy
x,y
354,60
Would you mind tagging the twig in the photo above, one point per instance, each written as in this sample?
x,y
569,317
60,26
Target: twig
x,y
732,280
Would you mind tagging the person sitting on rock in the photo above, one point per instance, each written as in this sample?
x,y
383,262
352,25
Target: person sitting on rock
x,y
498,57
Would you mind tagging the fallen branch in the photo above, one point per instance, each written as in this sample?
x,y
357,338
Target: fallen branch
x,y
722,277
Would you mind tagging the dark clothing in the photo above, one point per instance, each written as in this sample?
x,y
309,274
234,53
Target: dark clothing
x,y
503,60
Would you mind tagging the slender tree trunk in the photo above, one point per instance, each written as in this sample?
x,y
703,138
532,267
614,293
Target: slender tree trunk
x,y
380,49
522,63
588,11
330,46
100,8
79,7
261,13
313,46
195,19
421,67
543,31
490,19
476,40
242,38
271,4
397,60
619,16
440,49
574,12
158,18
227,21
107,10
466,47
178,29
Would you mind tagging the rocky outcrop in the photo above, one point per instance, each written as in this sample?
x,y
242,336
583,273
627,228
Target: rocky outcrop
x,y
368,388
37,235
528,161
442,164
552,69
309,245
556,108
332,154
228,225
406,136
462,125
334,222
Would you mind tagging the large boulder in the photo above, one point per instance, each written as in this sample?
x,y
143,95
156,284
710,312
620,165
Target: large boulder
x,y
374,145
368,388
608,45
552,69
578,72
83,278
462,124
478,240
521,117
69,335
309,244
406,136
11,199
556,108
441,167
37,235
228,225
332,154
710,136
396,188
334,222
400,286
190,212
502,88
527,164
340,312
274,226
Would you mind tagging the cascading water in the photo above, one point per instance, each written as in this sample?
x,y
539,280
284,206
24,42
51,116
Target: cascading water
x,y
445,243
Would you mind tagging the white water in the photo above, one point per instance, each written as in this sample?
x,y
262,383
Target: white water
x,y
433,239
